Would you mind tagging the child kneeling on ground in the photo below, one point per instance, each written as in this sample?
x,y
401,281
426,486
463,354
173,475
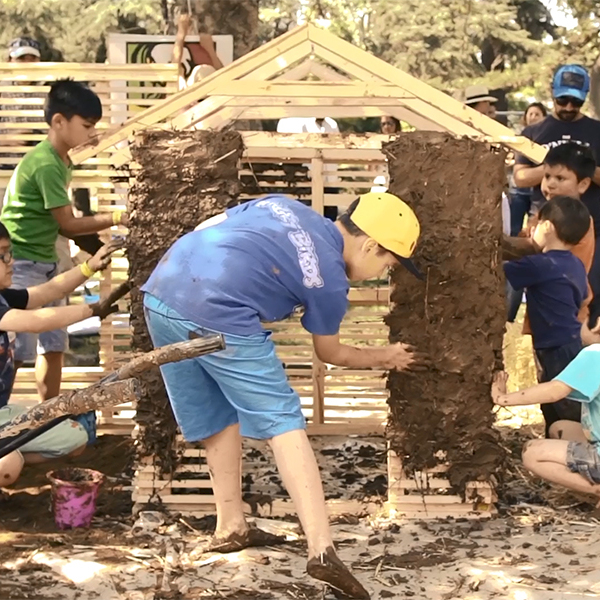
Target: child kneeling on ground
x,y
573,458
20,313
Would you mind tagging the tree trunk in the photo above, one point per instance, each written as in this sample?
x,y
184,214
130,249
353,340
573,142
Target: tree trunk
x,y
238,18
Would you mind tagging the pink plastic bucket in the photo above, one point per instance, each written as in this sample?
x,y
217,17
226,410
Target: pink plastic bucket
x,y
74,495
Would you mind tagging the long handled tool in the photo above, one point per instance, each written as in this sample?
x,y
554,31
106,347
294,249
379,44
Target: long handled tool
x,y
116,388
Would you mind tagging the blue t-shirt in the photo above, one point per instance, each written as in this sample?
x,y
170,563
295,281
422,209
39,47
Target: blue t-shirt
x,y
583,375
268,258
9,299
556,284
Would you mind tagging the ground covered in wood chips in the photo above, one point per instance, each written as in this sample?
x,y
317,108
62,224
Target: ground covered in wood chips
x,y
543,545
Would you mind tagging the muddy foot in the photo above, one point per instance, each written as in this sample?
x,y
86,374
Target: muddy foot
x,y
238,541
329,568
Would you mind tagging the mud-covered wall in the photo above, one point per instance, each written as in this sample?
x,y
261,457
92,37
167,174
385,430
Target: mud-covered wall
x,y
457,314
184,179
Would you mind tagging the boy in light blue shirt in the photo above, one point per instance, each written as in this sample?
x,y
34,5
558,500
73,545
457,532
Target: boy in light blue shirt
x,y
572,460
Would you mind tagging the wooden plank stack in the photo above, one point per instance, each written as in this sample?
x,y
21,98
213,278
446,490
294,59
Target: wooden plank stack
x,y
428,494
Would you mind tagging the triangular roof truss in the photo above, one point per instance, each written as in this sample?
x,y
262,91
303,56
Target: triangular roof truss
x,y
269,83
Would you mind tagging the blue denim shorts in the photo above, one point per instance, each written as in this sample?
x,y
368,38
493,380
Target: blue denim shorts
x,y
584,459
245,383
28,273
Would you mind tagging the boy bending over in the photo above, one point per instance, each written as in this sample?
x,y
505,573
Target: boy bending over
x,y
259,262
20,312
573,458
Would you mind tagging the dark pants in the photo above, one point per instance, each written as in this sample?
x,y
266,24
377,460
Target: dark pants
x,y
520,204
552,361
594,279
514,299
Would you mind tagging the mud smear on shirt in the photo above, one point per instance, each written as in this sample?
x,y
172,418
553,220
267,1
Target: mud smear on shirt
x,y
457,314
184,179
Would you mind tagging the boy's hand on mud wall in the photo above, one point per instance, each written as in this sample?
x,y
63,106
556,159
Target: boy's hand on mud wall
x,y
404,357
499,388
102,258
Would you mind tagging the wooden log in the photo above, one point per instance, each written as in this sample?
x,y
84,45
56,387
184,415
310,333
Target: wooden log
x,y
73,403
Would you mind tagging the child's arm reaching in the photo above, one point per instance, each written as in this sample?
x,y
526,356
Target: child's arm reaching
x,y
72,226
47,319
543,393
65,283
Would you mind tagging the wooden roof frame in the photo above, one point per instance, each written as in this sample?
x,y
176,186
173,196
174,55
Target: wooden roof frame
x,y
266,84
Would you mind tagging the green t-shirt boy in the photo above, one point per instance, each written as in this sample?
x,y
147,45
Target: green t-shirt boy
x,y
38,185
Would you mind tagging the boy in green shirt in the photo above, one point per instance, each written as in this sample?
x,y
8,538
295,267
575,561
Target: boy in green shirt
x,y
37,207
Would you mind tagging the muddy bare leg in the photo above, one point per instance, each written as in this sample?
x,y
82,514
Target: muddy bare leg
x,y
300,474
224,458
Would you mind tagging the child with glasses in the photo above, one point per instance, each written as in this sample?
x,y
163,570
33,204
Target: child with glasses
x,y
21,312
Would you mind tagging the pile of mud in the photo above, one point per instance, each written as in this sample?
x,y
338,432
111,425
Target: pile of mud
x,y
457,313
184,179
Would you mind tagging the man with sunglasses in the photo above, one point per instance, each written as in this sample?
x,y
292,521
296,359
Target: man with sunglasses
x,y
566,123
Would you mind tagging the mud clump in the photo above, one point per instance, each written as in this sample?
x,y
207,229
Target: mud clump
x,y
457,314
184,179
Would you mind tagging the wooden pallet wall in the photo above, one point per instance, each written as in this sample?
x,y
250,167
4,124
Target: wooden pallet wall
x,y
124,91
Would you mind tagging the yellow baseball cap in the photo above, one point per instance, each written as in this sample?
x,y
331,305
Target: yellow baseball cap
x,y
391,223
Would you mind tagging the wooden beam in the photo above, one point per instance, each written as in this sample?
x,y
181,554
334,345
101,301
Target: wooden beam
x,y
48,71
265,103
326,73
435,100
311,89
358,72
247,64
199,112
317,112
357,141
312,67
299,72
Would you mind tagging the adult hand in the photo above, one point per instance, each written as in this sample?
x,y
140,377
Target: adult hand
x,y
499,387
102,258
404,357
125,220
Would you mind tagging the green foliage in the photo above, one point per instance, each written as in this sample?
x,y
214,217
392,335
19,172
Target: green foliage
x,y
512,44
74,30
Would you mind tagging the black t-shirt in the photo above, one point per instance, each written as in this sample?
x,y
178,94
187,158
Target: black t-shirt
x,y
9,299
552,132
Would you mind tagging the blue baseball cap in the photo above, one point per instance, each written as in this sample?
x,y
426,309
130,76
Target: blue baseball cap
x,y
571,80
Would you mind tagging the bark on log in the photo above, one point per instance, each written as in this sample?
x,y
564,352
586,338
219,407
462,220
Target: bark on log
x,y
77,402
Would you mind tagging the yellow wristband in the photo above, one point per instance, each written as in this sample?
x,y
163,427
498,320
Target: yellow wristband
x,y
116,216
86,271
